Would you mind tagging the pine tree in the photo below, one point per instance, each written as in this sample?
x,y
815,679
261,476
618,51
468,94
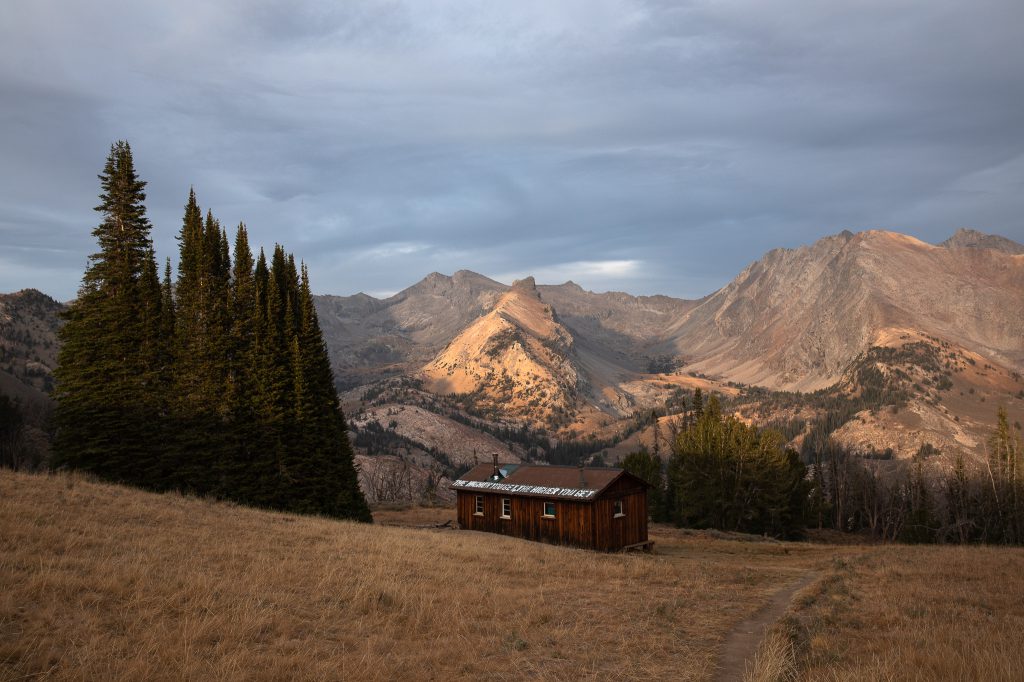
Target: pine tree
x,y
244,438
203,353
272,383
335,458
152,358
167,321
261,275
106,390
192,421
1007,494
698,404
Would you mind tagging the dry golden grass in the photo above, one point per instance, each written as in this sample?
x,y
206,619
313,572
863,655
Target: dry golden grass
x,y
412,515
914,613
775,660
103,582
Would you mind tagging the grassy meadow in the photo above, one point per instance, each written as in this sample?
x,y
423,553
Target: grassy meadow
x,y
104,582
905,613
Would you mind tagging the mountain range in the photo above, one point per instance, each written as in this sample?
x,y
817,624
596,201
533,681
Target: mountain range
x,y
806,322
557,360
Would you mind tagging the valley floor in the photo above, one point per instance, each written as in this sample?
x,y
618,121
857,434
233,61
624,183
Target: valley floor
x,y
103,582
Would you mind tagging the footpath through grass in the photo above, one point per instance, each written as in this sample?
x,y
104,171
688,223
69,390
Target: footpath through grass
x,y
906,613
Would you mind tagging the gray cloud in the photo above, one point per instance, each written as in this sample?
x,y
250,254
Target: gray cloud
x,y
383,140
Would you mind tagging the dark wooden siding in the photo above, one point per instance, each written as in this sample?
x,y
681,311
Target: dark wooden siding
x,y
629,529
581,524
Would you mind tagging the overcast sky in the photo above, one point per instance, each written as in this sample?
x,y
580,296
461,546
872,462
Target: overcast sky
x,y
649,147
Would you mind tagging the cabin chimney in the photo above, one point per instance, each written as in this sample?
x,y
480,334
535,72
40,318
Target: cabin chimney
x,y
496,474
583,481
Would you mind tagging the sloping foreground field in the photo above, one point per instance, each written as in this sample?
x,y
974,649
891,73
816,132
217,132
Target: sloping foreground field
x,y
906,613
103,582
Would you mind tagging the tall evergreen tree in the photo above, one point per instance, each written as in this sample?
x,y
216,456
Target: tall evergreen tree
x,y
245,316
167,316
189,311
193,421
272,383
335,459
105,387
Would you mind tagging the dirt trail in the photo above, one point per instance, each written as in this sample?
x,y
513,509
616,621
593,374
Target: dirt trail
x,y
741,644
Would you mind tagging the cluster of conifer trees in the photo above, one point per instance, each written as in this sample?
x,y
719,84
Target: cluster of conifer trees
x,y
218,383
727,475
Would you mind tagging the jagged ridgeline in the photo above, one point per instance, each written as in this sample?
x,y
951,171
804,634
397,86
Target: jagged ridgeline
x,y
216,384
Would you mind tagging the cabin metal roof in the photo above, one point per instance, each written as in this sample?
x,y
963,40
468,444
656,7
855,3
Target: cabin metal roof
x,y
539,480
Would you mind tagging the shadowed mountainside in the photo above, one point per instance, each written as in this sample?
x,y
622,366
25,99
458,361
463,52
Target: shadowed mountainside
x,y
29,321
371,338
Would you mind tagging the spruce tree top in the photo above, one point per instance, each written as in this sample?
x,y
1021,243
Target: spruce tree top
x,y
123,234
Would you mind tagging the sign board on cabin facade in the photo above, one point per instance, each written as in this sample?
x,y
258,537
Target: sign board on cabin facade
x,y
596,508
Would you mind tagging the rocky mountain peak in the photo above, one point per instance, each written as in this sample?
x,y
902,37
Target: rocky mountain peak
x,y
973,239
516,358
526,284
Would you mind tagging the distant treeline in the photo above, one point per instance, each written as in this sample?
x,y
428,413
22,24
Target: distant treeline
x,y
217,383
972,503
726,475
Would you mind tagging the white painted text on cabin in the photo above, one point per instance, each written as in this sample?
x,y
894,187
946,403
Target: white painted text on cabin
x,y
527,489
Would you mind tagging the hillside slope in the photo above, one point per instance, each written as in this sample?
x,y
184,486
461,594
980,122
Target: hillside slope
x,y
615,321
372,338
29,321
798,317
575,363
517,359
104,582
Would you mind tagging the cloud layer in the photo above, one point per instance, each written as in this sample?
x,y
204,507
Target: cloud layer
x,y
654,147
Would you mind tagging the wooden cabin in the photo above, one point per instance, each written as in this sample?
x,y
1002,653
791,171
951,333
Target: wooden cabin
x,y
596,508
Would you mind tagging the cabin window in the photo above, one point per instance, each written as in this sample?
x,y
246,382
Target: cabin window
x,y
618,509
549,510
479,508
506,508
